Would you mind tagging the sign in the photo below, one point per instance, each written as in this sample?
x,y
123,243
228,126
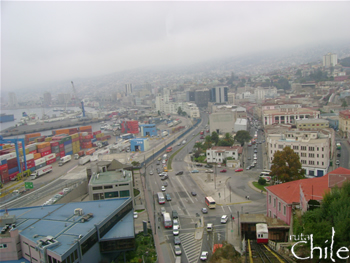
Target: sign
x,y
28,185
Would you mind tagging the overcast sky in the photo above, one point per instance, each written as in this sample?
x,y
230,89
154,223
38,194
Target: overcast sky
x,y
53,41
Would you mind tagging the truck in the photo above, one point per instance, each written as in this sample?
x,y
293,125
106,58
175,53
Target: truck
x,y
84,160
37,173
64,159
79,154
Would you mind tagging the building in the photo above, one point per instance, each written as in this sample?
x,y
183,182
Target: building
x,y
219,94
262,93
111,184
47,99
13,100
312,124
231,98
139,144
128,89
288,115
218,154
72,232
222,122
240,125
344,122
283,199
313,149
202,97
330,60
148,130
190,96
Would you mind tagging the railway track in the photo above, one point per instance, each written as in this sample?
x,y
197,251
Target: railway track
x,y
260,253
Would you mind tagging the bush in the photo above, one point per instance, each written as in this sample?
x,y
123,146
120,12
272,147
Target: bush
x,y
261,181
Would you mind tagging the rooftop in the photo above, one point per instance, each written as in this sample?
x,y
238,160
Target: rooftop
x,y
111,177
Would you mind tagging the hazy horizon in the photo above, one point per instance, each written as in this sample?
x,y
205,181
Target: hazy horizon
x,y
55,41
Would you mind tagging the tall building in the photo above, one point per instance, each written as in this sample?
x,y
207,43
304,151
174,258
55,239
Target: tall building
x,y
47,99
201,97
219,94
190,96
330,60
13,99
128,89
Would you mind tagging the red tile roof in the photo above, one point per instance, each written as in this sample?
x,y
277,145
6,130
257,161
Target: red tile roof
x,y
313,188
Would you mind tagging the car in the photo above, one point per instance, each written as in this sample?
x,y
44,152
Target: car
x,y
204,255
195,171
249,158
252,164
174,213
159,159
164,162
223,171
338,155
184,142
209,171
202,137
177,249
190,152
219,165
168,197
239,170
162,210
177,240
176,230
165,184
179,173
193,193
204,210
151,172
136,215
337,162
158,163
66,190
263,140
58,196
199,164
163,188
208,166
176,223
164,177
224,219
163,174
248,168
179,144
255,151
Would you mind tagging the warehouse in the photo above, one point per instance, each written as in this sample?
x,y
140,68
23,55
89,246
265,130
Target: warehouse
x,y
148,130
139,144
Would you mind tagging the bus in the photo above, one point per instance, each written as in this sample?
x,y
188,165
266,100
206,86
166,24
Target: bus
x,y
338,146
168,223
161,199
169,149
265,175
210,202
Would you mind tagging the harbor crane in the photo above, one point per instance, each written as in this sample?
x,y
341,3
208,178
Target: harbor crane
x,y
75,98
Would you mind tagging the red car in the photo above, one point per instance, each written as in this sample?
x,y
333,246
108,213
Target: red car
x,y
223,171
239,170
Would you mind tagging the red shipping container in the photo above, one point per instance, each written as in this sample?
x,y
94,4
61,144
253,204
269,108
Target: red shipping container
x,y
45,153
62,146
96,132
50,161
29,165
33,152
3,167
5,176
54,144
11,163
45,149
62,154
75,139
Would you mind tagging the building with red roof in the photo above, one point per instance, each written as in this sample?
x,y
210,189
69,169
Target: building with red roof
x,y
281,199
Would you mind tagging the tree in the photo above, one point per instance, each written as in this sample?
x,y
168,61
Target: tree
x,y
208,142
214,137
179,111
242,136
286,166
228,138
344,104
262,181
135,163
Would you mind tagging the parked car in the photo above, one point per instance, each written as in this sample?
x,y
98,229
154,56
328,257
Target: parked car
x,y
163,188
248,168
177,240
193,193
177,250
168,197
204,210
249,158
202,137
223,171
208,166
136,215
180,173
239,170
224,219
209,171
195,171
204,255
199,164
174,213
165,184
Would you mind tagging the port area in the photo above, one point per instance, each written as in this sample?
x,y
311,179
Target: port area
x,y
25,129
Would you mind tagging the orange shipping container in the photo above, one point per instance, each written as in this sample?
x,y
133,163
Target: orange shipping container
x,y
37,156
90,151
84,128
27,136
62,131
43,145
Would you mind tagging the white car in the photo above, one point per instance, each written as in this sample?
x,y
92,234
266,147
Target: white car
x,y
204,255
209,171
184,142
224,219
176,223
151,172
176,230
177,249
163,188
136,215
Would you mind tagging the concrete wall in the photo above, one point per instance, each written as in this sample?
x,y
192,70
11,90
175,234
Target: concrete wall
x,y
76,193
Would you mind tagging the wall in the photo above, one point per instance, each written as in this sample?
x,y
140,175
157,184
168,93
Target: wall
x,y
77,192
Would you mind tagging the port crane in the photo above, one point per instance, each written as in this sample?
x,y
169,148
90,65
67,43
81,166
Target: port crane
x,y
75,98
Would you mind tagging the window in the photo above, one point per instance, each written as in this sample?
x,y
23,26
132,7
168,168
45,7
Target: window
x,y
280,146
123,184
303,161
322,163
98,196
295,147
311,162
269,199
111,194
322,149
269,213
311,155
97,188
284,210
318,162
274,202
318,155
318,148
125,193
3,246
108,186
322,155
279,206
87,244
303,154
303,148
312,149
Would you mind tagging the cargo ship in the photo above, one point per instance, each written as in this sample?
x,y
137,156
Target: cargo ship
x,y
6,117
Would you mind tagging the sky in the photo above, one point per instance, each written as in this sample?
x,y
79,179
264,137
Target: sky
x,y
51,41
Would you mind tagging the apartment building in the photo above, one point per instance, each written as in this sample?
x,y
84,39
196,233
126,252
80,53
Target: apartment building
x,y
312,147
344,122
218,154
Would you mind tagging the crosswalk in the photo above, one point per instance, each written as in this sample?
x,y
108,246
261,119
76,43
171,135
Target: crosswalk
x,y
191,247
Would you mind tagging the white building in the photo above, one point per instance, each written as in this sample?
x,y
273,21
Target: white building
x,y
240,125
128,89
263,93
218,154
288,115
312,147
330,60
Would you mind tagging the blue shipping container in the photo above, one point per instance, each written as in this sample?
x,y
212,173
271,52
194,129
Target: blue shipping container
x,y
69,153
13,170
32,169
68,142
3,161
